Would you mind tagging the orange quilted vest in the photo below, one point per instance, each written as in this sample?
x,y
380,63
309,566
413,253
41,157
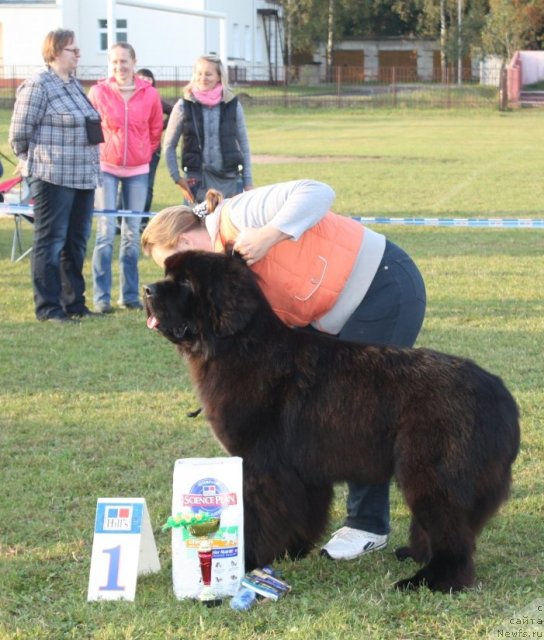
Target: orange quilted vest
x,y
303,278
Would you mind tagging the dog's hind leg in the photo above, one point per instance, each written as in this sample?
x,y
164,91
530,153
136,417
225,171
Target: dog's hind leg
x,y
451,538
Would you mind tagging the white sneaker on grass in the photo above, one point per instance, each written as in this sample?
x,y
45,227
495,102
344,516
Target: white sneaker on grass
x,y
348,543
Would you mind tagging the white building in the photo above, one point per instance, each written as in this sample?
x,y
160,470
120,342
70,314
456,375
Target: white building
x,y
250,37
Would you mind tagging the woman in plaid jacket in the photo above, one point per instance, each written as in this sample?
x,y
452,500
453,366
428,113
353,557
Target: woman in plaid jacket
x,y
49,136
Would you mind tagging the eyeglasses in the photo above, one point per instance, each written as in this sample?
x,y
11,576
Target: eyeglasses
x,y
74,50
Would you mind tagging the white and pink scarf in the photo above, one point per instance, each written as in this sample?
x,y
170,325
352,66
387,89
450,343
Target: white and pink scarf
x,y
210,97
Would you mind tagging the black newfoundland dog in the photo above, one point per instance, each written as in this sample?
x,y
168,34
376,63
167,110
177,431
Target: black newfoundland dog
x,y
305,411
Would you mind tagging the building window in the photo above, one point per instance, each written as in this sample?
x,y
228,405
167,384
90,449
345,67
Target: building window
x,y
121,33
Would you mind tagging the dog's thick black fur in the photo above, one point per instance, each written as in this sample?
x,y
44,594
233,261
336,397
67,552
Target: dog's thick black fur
x,y
305,411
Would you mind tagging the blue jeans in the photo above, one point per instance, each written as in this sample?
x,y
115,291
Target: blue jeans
x,y
62,225
391,313
134,193
153,165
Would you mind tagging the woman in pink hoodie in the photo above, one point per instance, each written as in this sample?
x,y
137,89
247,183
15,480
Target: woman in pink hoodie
x,y
132,118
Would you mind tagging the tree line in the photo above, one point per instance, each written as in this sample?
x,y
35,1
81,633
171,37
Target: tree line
x,y
463,27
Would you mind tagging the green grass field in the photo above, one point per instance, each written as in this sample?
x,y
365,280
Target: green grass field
x,y
99,409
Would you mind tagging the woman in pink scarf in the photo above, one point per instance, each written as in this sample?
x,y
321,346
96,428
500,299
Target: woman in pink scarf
x,y
210,121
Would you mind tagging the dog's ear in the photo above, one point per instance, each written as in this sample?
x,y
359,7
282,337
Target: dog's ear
x,y
233,296
172,262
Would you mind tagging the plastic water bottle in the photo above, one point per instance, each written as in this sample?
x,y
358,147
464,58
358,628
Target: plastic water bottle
x,y
243,600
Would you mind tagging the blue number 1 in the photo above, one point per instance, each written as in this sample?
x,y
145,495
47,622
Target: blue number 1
x,y
113,571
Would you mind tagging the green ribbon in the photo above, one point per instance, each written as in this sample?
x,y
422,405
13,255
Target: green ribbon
x,y
186,520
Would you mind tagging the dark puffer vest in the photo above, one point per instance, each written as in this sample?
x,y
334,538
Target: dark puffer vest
x,y
191,158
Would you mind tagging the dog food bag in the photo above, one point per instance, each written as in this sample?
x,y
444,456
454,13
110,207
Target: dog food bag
x,y
207,492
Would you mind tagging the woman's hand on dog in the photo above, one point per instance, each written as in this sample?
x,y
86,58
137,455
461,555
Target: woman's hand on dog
x,y
254,244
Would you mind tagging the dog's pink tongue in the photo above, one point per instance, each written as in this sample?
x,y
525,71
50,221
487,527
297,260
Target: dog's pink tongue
x,y
152,322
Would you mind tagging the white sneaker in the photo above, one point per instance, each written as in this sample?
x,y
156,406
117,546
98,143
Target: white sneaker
x,y
348,543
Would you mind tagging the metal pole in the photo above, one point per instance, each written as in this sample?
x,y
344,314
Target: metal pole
x,y
223,40
459,42
289,33
112,23
111,29
143,4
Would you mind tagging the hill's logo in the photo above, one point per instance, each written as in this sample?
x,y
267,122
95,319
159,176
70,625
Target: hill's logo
x,y
117,518
209,495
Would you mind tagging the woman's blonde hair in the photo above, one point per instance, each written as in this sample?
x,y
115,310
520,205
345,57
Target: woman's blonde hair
x,y
168,225
219,67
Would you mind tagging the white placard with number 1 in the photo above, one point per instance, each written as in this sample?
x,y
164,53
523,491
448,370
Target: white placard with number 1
x,y
123,548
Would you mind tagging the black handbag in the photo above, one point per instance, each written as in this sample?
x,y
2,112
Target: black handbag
x,y
93,124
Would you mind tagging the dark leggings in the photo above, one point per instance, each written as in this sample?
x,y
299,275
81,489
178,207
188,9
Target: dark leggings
x,y
392,311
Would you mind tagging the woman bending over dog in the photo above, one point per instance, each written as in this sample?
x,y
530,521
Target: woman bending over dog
x,y
320,272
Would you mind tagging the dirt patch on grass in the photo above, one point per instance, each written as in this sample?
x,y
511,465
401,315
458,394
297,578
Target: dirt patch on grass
x,y
270,159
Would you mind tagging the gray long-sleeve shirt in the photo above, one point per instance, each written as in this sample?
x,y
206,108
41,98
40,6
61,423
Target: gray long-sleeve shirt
x,y
211,153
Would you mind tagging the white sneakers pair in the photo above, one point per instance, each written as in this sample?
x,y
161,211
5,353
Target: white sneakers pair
x,y
348,543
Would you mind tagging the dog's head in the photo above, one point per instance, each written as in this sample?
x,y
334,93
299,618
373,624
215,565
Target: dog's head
x,y
204,297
